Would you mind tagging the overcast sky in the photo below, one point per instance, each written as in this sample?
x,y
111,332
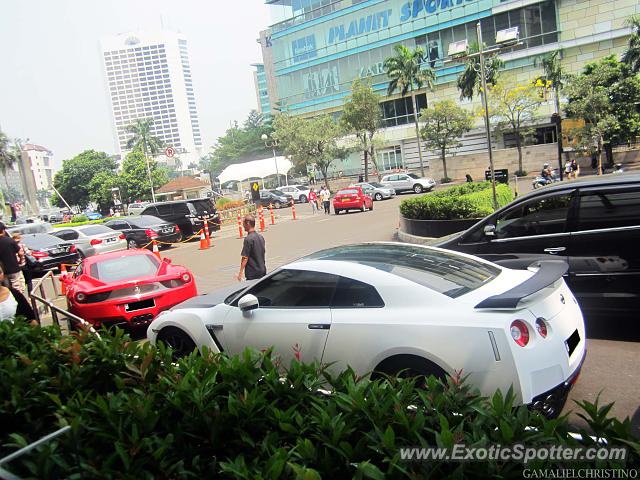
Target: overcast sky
x,y
52,89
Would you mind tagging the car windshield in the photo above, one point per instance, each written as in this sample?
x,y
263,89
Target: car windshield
x,y
376,185
413,175
94,230
445,272
37,241
351,191
124,268
145,221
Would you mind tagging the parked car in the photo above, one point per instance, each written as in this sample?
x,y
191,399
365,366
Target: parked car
x,y
352,198
135,209
92,239
139,231
189,215
392,308
406,182
376,190
128,288
273,197
93,215
593,224
39,227
300,193
49,252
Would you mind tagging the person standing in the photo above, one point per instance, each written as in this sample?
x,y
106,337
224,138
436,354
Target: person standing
x,y
13,304
252,263
22,261
313,200
9,251
325,196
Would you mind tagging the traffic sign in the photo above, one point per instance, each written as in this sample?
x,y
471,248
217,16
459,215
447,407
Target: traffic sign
x,y
169,152
255,191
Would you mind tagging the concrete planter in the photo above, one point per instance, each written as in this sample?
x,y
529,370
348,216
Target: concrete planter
x,y
435,228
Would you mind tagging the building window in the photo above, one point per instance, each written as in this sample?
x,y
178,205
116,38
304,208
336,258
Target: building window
x,y
390,159
539,136
400,111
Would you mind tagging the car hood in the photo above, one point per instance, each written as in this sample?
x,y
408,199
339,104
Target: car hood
x,y
211,299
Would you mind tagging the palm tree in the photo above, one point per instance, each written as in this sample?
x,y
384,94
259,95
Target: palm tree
x,y
553,73
469,80
407,72
142,140
632,55
8,156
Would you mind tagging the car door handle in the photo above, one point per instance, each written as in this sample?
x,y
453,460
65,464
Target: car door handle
x,y
554,250
319,326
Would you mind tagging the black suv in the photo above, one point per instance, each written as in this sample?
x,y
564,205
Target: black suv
x,y
187,214
594,225
139,231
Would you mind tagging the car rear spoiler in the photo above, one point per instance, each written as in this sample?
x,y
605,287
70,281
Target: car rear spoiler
x,y
549,271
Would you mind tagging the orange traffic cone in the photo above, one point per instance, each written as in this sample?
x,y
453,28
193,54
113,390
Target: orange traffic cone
x,y
63,277
203,241
155,250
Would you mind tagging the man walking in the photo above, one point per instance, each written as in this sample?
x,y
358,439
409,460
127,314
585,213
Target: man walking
x,y
325,196
9,251
252,264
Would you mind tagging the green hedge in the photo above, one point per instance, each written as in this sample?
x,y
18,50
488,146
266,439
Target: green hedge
x,y
469,200
76,223
135,414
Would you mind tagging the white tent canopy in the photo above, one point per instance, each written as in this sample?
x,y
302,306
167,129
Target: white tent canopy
x,y
255,169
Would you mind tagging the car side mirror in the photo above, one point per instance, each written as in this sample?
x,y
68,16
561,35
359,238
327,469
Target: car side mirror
x,y
489,230
248,302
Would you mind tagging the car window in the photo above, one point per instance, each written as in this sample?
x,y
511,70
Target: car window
x,y
403,177
67,234
203,206
118,225
124,268
153,210
94,230
411,175
145,221
352,293
536,217
350,191
609,209
392,178
164,210
296,289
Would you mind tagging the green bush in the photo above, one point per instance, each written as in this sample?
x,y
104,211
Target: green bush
x,y
465,201
79,218
135,414
78,223
446,180
521,173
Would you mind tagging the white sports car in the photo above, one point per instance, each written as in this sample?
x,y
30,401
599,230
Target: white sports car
x,y
392,308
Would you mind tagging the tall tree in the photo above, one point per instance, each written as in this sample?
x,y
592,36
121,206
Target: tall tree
x,y
513,109
310,141
605,95
551,64
362,116
134,177
632,55
73,180
100,189
443,125
408,72
8,156
469,81
141,139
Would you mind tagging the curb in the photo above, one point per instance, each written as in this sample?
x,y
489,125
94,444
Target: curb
x,y
408,238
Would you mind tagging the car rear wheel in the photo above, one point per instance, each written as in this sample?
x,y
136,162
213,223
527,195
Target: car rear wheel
x,y
303,199
417,188
408,366
132,244
378,196
178,341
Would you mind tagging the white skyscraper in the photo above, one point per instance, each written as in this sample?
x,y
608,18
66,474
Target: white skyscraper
x,y
148,76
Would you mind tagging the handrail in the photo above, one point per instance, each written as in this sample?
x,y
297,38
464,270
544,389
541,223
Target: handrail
x,y
55,310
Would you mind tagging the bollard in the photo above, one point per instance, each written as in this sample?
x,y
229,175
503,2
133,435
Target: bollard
x,y
261,213
155,250
293,209
203,240
206,230
63,276
239,225
273,219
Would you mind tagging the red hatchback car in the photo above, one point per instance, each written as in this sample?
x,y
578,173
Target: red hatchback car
x,y
128,288
351,198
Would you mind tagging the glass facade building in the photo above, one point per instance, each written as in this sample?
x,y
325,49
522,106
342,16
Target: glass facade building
x,y
262,92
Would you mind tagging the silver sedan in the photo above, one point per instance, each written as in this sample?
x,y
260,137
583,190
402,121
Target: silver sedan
x,y
376,190
92,239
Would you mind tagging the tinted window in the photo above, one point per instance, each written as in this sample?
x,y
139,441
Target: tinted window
x,y
608,209
537,217
351,191
95,230
377,185
124,268
181,209
163,210
296,289
412,175
352,293
66,234
204,206
392,178
445,272
145,221
118,225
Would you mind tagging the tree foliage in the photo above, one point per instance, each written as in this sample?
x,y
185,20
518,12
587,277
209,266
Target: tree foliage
x,y
632,55
100,189
310,141
513,109
9,155
74,179
443,125
141,137
469,82
362,117
135,179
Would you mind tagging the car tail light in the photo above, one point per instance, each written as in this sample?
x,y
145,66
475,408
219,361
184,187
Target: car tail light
x,y
122,236
95,241
541,327
73,249
520,333
80,297
151,233
177,229
39,254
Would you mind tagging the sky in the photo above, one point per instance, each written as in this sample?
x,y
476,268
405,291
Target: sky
x,y
52,89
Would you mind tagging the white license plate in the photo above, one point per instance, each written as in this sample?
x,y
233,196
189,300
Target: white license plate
x,y
167,230
111,240
56,251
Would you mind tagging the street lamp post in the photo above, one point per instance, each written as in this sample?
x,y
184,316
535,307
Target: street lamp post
x,y
273,144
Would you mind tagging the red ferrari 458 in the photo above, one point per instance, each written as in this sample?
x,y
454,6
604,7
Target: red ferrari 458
x,y
128,288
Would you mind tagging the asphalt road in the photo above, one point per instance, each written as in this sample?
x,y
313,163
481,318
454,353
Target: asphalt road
x,y
611,367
